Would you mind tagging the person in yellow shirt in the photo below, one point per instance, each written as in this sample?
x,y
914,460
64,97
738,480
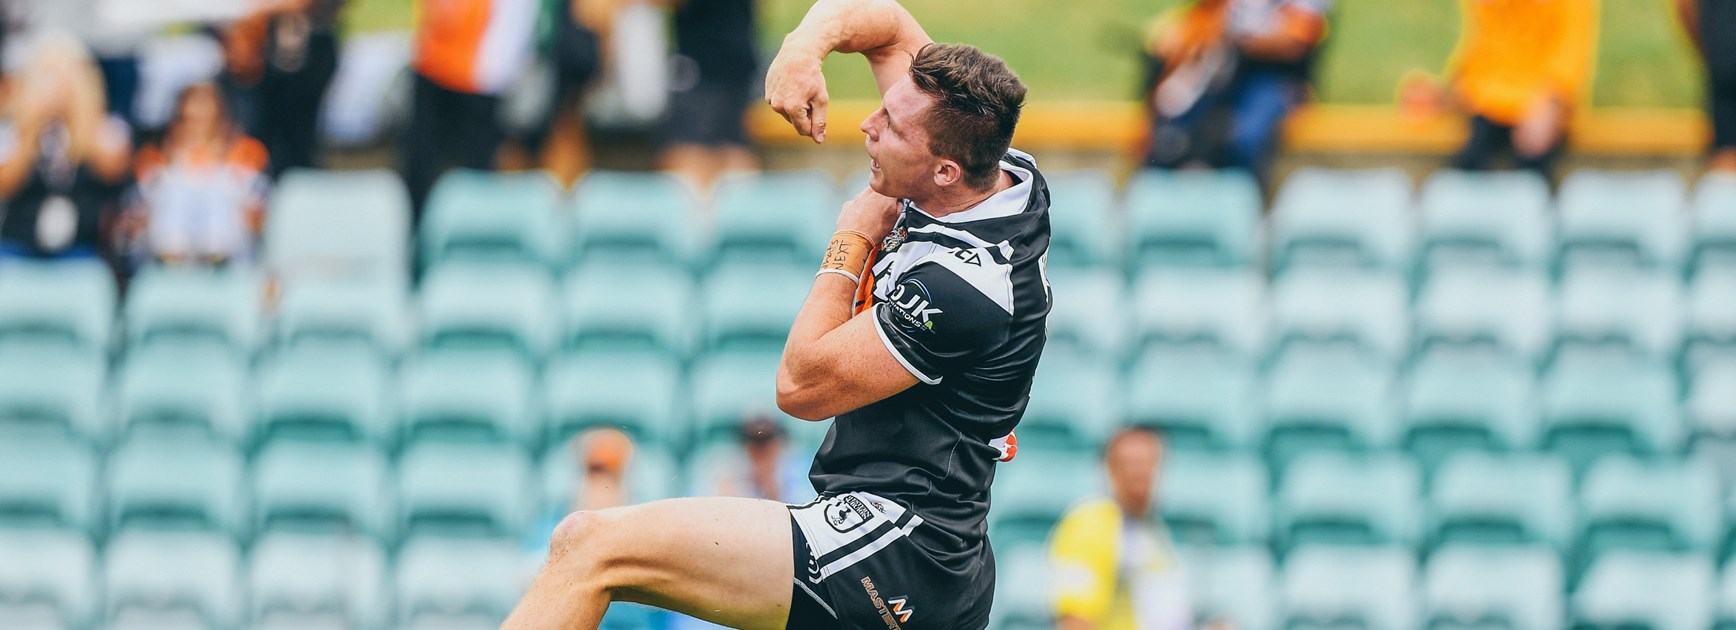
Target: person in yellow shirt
x,y
1115,565
1520,68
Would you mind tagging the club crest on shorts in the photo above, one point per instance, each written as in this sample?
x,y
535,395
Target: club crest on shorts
x,y
846,513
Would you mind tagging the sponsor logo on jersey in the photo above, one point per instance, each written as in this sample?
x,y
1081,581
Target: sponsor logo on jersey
x,y
912,307
902,609
846,513
891,617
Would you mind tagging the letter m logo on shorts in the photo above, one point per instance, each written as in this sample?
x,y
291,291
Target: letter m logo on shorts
x,y
899,608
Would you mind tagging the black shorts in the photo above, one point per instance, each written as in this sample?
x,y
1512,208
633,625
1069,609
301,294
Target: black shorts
x,y
857,568
709,114
1721,99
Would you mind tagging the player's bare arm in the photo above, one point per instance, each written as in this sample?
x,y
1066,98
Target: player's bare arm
x,y
834,363
881,30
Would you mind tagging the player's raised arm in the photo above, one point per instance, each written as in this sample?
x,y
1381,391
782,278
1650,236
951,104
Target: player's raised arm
x,y
882,30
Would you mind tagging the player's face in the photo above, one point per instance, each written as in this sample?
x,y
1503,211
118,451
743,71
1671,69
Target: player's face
x,y
900,164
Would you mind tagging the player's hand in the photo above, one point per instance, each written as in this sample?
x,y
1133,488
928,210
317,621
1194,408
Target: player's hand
x,y
796,89
870,213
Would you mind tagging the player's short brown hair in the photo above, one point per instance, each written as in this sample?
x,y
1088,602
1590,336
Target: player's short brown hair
x,y
977,102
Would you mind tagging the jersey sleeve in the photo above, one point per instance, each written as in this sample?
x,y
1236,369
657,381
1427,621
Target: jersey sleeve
x,y
936,321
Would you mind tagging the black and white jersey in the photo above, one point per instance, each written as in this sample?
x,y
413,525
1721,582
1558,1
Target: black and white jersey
x,y
961,301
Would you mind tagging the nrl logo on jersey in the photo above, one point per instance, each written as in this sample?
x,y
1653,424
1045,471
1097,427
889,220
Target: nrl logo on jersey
x,y
912,307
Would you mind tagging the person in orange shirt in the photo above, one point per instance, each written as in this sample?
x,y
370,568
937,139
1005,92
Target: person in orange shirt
x,y
467,52
201,192
1520,68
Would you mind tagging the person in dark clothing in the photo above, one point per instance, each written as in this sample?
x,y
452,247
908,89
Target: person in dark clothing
x,y
570,39
63,160
716,72
284,56
1712,25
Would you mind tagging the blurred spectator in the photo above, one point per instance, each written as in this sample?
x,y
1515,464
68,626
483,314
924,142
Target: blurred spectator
x,y
1224,74
1115,566
716,73
605,459
467,52
571,38
1520,68
1712,25
63,159
201,193
110,39
284,55
768,470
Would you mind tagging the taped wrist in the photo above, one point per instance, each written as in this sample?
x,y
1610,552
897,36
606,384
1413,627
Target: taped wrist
x,y
846,255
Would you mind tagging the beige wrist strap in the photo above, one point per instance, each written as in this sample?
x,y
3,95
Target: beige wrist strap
x,y
846,255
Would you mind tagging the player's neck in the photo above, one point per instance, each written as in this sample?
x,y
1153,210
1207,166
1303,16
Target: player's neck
x,y
945,203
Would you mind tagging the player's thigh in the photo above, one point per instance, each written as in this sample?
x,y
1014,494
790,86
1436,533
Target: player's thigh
x,y
726,560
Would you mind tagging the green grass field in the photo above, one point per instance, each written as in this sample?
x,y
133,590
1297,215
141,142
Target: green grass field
x,y
1088,49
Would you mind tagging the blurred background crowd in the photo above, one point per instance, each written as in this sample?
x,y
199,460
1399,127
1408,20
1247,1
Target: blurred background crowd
x,y
320,313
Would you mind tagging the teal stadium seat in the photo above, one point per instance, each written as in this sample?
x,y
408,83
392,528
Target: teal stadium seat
x,y
373,312
181,306
1338,499
1374,588
1221,311
180,485
1084,224
181,579
1505,501
776,217
1236,585
463,490
1597,406
321,488
491,217
1344,218
1093,318
1466,588
637,392
1328,402
1656,506
1726,596
311,581
1714,224
182,390
636,306
1711,404
1505,311
1646,590
652,474
457,583
729,386
1194,219
47,579
1367,311
48,483
639,216
1074,402
1211,499
1635,220
1456,402
338,223
468,397
71,302
312,392
750,306
53,389
506,307
1636,313
1485,219
1033,492
1198,402
1024,589
1711,318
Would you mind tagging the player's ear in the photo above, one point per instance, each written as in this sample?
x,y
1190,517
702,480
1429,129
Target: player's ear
x,y
947,173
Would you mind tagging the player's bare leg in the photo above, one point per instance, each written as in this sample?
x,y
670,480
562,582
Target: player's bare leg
x,y
721,559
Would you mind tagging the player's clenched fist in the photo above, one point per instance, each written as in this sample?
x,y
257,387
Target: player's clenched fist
x,y
796,89
869,213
